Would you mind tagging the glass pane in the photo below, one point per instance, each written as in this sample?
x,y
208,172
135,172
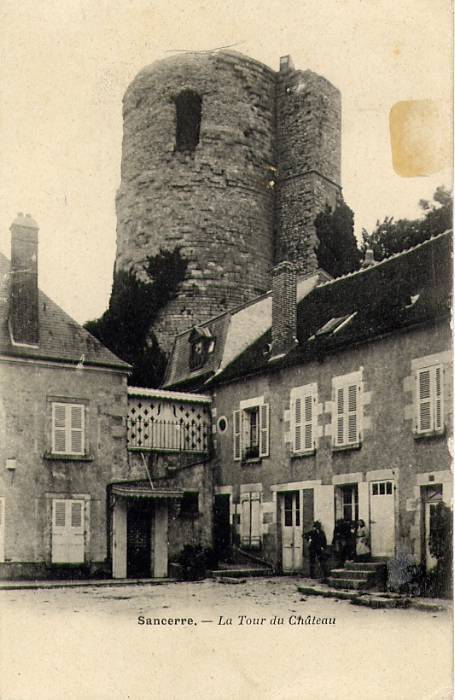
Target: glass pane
x,y
297,509
382,488
375,489
389,487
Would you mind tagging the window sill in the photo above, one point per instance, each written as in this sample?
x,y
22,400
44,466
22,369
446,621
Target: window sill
x,y
299,455
252,460
67,458
345,448
433,435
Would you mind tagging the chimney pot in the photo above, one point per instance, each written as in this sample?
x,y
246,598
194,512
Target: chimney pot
x,y
369,260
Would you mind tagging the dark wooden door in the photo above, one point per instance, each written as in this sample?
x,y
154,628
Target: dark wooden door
x,y
138,543
222,527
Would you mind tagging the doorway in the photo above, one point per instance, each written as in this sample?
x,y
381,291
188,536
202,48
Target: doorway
x,y
431,497
138,541
382,518
222,526
347,503
291,532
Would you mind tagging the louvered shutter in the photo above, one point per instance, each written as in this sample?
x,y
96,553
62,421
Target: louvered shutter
x,y
424,422
67,531
352,411
59,428
264,430
308,422
438,399
339,426
297,415
237,443
76,429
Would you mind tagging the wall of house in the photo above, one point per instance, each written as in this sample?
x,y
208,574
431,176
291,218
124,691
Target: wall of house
x,y
389,448
25,436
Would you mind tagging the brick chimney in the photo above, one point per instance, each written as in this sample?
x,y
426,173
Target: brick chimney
x,y
23,308
284,309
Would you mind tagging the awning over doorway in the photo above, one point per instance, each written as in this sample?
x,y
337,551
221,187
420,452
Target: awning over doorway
x,y
139,491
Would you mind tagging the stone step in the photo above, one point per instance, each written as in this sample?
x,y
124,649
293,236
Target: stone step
x,y
240,573
364,565
354,573
350,583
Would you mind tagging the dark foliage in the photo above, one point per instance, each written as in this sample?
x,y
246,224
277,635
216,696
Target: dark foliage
x,y
391,236
195,561
133,307
337,252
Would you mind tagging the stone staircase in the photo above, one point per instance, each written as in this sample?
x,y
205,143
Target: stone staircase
x,y
359,575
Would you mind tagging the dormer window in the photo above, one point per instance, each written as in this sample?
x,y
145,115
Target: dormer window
x,y
202,345
188,105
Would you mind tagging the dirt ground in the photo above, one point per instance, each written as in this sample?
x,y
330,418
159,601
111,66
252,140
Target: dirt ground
x,y
89,644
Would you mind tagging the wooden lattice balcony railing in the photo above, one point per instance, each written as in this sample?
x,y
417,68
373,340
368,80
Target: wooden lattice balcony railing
x,y
168,436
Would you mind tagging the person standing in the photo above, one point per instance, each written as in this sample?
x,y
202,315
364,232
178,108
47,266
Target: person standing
x,y
317,549
362,547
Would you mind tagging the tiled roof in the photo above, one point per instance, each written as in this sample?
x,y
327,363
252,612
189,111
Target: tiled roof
x,y
409,288
61,338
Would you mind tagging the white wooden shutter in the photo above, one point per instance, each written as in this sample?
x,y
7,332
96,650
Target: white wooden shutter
x,y
76,429
339,429
423,393
59,428
303,413
237,442
438,399
2,529
67,531
297,429
264,430
429,399
351,421
68,428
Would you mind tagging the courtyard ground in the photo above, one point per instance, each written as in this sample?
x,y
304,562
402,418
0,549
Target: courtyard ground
x,y
88,644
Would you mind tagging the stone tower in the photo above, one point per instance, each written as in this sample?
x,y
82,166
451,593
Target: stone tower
x,y
230,162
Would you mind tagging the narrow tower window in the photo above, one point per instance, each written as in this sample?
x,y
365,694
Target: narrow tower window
x,y
188,111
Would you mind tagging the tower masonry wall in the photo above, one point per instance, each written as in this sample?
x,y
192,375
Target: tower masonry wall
x,y
267,160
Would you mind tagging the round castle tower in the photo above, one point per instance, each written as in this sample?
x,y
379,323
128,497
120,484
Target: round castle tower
x,y
230,162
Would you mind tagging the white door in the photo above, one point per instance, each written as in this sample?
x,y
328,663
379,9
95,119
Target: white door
x,y
291,532
67,531
382,518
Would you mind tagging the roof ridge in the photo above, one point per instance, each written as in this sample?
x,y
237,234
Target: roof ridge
x,y
390,257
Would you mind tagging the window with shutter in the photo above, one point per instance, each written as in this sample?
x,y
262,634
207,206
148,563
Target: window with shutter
x,y
251,520
347,414
303,418
429,400
68,428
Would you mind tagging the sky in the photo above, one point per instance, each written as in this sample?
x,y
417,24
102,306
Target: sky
x,y
65,65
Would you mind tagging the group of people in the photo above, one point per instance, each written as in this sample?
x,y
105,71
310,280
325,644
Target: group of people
x,y
350,542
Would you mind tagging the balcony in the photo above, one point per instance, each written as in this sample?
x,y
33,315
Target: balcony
x,y
167,436
169,422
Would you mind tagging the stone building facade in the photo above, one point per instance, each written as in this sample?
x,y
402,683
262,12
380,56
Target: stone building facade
x,y
229,161
63,409
354,420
